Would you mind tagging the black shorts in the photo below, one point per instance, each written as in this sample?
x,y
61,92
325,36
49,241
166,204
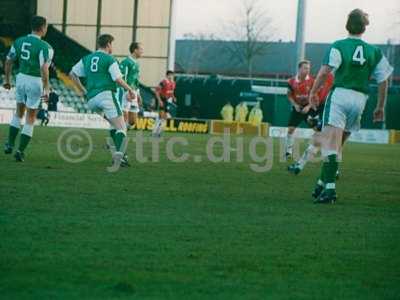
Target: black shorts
x,y
164,107
296,118
320,110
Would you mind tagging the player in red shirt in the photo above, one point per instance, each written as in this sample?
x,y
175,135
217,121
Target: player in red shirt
x,y
165,96
314,119
299,88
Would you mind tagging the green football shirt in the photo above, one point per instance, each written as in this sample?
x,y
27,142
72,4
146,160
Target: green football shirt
x,y
31,52
130,70
355,61
100,70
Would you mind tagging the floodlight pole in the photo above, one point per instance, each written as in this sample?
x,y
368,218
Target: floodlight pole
x,y
172,38
300,31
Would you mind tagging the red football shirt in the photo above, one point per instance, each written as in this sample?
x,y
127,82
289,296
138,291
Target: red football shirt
x,y
326,88
300,89
167,88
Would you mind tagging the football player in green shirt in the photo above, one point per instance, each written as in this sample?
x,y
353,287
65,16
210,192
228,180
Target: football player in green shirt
x,y
354,61
102,74
32,82
130,70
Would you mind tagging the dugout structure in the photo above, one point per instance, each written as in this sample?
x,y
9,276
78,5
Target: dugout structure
x,y
204,96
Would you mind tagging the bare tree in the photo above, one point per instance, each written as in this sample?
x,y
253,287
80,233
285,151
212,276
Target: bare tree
x,y
249,35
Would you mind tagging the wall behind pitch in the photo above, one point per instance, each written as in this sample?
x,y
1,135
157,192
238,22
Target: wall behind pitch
x,y
51,9
154,13
82,12
117,13
149,24
85,35
81,22
123,38
153,31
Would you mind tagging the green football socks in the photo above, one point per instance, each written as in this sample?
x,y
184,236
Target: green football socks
x,y
112,135
12,135
23,142
328,171
119,140
26,136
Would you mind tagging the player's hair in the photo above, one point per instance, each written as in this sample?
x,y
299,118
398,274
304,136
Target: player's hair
x,y
303,62
133,46
357,22
37,23
104,39
169,72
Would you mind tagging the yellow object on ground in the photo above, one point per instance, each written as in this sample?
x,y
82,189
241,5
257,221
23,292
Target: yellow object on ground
x,y
256,115
241,112
227,112
394,137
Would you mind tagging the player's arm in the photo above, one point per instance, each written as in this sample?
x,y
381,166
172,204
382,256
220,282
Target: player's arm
x,y
379,113
45,58
8,70
124,70
77,71
78,83
292,101
306,109
158,95
139,100
290,96
138,97
382,73
318,84
173,95
11,56
332,61
116,75
44,71
125,86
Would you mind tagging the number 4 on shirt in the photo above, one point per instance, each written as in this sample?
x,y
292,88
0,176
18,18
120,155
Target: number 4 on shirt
x,y
358,56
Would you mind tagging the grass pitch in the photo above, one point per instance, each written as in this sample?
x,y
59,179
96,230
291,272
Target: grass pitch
x,y
165,230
